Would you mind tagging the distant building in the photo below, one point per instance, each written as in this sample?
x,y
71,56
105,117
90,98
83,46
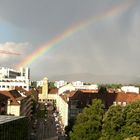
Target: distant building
x,y
9,78
39,83
13,128
130,89
78,85
60,83
44,94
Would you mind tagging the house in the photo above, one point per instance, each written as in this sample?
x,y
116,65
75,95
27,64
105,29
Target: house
x,y
19,103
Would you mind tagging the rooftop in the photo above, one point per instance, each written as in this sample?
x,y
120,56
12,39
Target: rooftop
x,y
5,118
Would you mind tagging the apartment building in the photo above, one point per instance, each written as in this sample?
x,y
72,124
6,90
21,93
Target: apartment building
x,y
9,78
71,103
19,103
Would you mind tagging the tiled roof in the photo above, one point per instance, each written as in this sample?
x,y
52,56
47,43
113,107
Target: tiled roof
x,y
107,98
127,97
15,93
12,98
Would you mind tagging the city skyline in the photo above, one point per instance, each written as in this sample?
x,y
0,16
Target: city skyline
x,y
86,37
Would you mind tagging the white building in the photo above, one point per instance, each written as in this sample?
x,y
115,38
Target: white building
x,y
60,83
130,89
78,84
68,87
9,78
39,83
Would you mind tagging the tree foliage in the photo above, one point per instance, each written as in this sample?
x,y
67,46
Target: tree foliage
x,y
89,123
118,123
112,122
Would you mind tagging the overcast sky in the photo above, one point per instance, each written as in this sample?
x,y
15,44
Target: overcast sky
x,y
110,46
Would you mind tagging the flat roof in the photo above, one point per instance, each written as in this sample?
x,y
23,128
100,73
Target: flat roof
x,y
6,118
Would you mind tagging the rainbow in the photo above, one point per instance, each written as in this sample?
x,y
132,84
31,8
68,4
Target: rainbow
x,y
114,11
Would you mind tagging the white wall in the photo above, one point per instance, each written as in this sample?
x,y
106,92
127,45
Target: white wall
x,y
68,87
13,109
62,107
130,89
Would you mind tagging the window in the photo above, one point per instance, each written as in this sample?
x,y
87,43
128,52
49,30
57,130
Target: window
x,y
119,103
114,103
124,103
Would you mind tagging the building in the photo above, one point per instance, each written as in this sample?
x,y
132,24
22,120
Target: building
x,y
71,103
130,89
39,83
13,128
19,103
44,94
9,78
52,95
60,83
77,86
3,104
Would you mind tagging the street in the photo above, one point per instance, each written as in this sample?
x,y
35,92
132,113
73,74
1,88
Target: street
x,y
46,127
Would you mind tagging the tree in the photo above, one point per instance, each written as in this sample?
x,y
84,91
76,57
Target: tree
x,y
133,138
120,122
89,123
132,120
112,122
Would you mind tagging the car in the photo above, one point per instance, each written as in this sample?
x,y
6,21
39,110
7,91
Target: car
x,y
57,125
54,114
56,119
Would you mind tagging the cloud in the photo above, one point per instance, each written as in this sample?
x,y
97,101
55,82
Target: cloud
x,y
12,52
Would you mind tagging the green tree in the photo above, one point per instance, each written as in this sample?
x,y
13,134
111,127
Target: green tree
x,y
89,123
112,122
120,122
133,138
132,120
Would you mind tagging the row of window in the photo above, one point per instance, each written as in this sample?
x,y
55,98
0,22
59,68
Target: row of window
x,y
4,86
119,103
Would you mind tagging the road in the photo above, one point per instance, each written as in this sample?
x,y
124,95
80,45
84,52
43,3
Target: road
x,y
46,127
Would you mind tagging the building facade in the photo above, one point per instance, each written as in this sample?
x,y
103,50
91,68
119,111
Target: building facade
x,y
44,94
9,78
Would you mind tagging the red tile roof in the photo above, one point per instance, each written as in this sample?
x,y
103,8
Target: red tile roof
x,y
12,98
107,98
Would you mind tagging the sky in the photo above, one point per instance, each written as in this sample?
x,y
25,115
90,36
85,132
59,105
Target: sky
x,y
103,38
